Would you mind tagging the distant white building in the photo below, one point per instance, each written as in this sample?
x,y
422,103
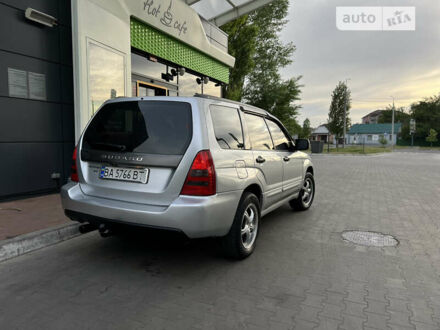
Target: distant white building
x,y
321,133
371,133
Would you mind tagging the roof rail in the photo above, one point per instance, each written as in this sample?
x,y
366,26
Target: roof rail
x,y
206,96
241,104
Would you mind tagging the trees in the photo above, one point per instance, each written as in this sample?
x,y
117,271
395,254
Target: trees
x,y
265,88
241,45
400,116
260,55
427,116
341,98
432,137
306,129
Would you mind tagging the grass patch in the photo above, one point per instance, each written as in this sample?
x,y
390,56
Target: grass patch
x,y
418,147
358,150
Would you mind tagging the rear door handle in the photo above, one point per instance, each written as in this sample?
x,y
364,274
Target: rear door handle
x,y
260,159
286,158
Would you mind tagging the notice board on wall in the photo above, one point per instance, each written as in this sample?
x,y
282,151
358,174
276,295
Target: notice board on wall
x,y
17,83
24,84
37,86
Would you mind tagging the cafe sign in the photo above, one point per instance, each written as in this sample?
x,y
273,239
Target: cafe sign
x,y
166,16
173,17
178,20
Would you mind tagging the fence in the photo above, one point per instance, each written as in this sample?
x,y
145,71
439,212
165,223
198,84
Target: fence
x,y
419,142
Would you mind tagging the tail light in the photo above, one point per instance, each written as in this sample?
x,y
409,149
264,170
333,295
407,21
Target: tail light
x,y
200,180
74,169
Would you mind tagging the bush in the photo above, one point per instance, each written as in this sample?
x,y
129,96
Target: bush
x,y
432,137
383,141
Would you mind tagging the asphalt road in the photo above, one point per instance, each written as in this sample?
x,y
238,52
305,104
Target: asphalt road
x,y
302,274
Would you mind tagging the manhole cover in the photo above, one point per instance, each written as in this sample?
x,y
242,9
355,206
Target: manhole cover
x,y
369,238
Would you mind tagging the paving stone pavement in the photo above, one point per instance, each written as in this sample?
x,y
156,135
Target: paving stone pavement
x,y
301,276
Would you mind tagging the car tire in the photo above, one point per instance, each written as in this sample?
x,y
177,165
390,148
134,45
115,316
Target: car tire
x,y
239,243
306,195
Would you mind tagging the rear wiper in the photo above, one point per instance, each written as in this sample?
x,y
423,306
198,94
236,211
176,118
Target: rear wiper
x,y
118,147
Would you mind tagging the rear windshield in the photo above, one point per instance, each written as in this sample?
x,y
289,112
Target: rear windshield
x,y
150,127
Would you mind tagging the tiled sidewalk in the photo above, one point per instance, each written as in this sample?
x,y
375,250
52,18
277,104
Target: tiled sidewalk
x,y
302,275
30,214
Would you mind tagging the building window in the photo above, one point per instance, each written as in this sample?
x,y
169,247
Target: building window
x,y
369,137
211,89
142,66
106,74
188,85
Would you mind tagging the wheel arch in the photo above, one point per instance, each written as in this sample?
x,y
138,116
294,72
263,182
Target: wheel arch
x,y
256,190
308,167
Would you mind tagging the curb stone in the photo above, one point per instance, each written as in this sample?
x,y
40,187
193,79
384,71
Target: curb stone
x,y
22,244
351,154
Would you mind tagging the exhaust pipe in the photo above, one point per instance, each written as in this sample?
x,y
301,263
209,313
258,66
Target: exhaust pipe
x,y
85,228
105,231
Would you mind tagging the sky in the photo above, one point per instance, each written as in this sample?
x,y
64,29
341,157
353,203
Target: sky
x,y
379,64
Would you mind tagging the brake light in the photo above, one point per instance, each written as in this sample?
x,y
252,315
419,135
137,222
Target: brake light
x,y
200,180
74,169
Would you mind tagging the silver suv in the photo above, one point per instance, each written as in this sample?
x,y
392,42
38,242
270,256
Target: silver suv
x,y
204,166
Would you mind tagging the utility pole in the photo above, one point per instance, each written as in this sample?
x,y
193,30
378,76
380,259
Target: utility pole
x,y
412,130
345,120
328,140
345,112
392,126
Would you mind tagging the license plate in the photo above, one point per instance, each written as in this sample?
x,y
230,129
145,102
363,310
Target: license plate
x,y
124,174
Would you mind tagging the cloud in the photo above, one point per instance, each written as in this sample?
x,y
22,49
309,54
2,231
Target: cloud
x,y
404,64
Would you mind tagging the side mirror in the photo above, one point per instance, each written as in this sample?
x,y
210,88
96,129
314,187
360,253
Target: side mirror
x,y
302,144
284,146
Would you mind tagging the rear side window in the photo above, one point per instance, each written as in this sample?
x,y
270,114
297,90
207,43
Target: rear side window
x,y
280,139
150,127
227,127
258,132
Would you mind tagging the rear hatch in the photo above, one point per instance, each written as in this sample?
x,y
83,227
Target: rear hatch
x,y
142,140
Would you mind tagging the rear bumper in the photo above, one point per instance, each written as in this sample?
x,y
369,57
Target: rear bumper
x,y
194,216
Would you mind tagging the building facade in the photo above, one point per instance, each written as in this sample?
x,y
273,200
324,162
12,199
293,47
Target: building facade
x,y
141,48
62,59
371,133
321,133
372,117
37,133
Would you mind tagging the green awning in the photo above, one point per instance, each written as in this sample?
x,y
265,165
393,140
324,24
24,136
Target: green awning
x,y
155,42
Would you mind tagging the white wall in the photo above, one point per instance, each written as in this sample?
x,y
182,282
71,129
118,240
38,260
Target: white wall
x,y
363,138
92,22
